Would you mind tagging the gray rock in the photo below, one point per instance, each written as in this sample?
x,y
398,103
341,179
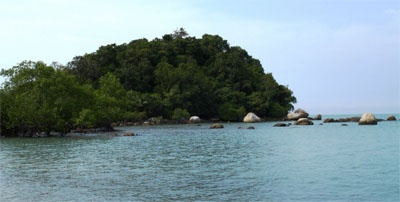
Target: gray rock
x,y
251,118
281,125
318,117
297,114
216,126
303,121
130,134
194,119
368,119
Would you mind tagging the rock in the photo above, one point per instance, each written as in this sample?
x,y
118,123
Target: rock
x,y
281,125
130,134
147,123
216,126
329,120
297,114
318,117
368,119
303,121
194,119
349,119
155,120
251,127
391,118
343,124
251,118
343,120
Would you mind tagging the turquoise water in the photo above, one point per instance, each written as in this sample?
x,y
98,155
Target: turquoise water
x,y
326,162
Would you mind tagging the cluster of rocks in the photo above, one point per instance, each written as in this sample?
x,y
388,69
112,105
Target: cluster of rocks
x,y
249,118
366,119
299,116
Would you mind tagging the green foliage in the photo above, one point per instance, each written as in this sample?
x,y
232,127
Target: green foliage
x,y
171,77
229,112
41,99
180,114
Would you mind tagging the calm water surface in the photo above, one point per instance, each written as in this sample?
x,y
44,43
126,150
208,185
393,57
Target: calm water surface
x,y
326,162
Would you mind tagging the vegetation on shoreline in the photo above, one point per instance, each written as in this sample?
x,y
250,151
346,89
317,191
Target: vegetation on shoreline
x,y
173,77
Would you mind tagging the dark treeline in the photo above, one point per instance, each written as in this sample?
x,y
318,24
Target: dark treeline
x,y
172,77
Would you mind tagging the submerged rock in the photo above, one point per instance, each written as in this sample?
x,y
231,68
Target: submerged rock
x,y
329,120
281,125
368,119
348,119
130,134
251,118
216,126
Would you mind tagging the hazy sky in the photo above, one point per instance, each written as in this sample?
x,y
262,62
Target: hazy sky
x,y
338,56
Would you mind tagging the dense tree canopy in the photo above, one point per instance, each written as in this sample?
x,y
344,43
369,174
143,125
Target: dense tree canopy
x,y
173,77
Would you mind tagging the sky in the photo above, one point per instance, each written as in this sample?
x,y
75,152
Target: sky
x,y
337,56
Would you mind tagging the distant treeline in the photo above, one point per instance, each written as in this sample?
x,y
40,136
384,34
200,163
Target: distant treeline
x,y
172,77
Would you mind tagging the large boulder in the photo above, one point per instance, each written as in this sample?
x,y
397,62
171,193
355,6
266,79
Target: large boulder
x,y
297,114
368,119
194,119
303,121
251,118
391,118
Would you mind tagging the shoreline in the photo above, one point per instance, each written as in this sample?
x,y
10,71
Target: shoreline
x,y
280,122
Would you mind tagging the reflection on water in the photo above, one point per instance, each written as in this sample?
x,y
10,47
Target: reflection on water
x,y
189,162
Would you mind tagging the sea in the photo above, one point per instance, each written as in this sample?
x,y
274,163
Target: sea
x,y
191,162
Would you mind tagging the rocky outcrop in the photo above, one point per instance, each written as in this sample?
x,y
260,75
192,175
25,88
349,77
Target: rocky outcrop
x,y
297,114
194,119
251,118
216,126
391,118
303,121
368,119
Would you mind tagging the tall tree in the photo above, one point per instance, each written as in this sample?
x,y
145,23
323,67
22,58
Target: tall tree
x,y
41,99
